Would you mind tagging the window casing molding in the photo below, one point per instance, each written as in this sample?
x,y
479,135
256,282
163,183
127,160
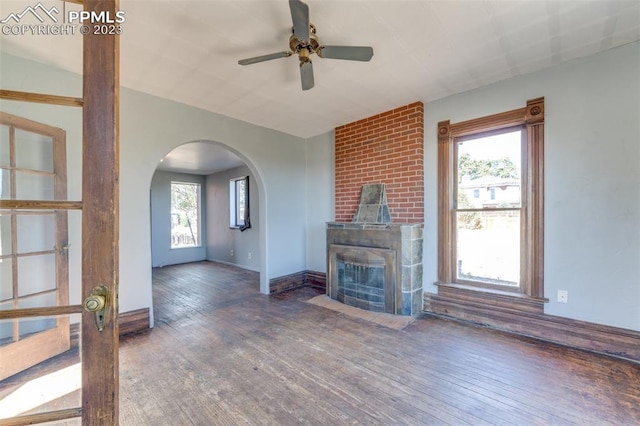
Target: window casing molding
x,y
531,119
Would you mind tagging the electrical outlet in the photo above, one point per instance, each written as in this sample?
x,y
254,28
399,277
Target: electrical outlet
x,y
563,296
249,255
231,252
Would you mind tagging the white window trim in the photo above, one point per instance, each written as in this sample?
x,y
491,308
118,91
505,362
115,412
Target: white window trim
x,y
198,242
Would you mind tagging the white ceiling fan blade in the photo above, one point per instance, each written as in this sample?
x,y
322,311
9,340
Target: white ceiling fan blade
x,y
263,58
349,53
306,75
300,17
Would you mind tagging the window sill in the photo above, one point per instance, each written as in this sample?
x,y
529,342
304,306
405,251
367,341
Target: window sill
x,y
488,297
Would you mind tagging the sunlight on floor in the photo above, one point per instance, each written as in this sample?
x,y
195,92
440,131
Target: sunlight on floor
x,y
41,391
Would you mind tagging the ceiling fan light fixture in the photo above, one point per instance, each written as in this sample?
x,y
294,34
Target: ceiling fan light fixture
x,y
303,54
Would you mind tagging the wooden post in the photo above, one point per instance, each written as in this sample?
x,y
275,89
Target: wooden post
x,y
100,218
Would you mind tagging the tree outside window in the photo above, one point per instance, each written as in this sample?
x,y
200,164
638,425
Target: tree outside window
x,y
185,215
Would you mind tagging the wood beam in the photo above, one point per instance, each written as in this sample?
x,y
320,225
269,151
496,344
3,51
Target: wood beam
x,y
50,416
40,205
16,95
40,312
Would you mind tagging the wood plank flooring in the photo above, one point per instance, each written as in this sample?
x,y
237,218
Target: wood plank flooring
x,y
223,354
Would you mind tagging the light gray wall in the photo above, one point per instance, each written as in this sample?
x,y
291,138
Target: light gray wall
x,y
221,239
161,252
320,196
592,179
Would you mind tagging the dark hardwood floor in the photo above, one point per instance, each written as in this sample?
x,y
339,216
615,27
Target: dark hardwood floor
x,y
223,354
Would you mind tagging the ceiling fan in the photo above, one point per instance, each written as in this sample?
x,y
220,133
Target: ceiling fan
x,y
304,42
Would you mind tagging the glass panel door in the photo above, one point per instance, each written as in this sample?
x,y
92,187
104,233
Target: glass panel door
x,y
39,350
34,242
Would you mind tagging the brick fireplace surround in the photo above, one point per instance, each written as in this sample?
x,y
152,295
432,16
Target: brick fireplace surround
x,y
385,148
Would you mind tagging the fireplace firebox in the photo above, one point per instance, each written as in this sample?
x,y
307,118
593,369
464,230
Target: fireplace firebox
x,y
363,277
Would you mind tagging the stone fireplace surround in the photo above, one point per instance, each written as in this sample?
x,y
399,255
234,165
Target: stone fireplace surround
x,y
397,246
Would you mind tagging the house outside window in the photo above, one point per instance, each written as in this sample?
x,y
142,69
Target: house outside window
x,y
490,202
185,215
487,232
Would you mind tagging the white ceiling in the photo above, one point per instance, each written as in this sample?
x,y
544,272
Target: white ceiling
x,y
187,51
203,158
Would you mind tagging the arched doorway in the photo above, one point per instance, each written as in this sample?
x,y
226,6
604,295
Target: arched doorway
x,y
208,168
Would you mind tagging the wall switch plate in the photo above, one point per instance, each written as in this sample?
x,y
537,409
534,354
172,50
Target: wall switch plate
x,y
563,296
250,255
231,252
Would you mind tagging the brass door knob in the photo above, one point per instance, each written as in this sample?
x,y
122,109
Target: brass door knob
x,y
94,303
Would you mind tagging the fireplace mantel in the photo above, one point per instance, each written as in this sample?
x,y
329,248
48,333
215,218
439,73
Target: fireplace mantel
x,y
403,269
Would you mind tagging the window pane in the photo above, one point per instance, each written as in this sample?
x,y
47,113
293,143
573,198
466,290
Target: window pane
x,y
5,234
5,184
30,326
34,151
6,279
36,232
489,172
30,186
36,274
488,247
185,215
240,201
4,146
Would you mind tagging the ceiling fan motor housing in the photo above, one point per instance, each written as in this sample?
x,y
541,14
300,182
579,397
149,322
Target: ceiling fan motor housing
x,y
304,48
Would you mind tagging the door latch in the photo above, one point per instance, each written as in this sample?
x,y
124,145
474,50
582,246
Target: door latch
x,y
96,302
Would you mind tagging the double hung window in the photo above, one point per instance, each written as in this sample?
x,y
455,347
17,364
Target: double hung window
x,y
185,215
490,201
